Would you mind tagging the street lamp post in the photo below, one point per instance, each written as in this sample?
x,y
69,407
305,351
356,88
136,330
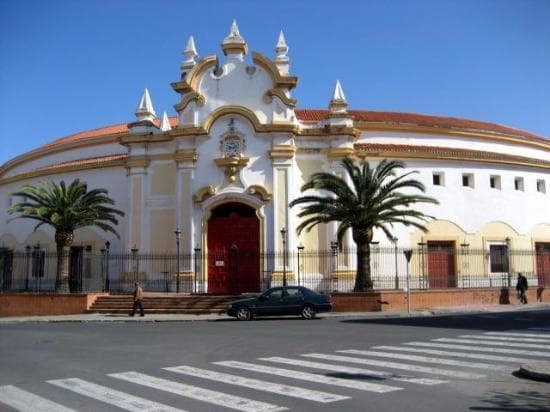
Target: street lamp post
x,y
135,251
422,245
283,235
177,232
465,264
508,261
28,264
395,240
408,254
300,250
107,280
197,253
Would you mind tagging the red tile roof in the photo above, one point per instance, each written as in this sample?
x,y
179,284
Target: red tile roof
x,y
361,116
370,116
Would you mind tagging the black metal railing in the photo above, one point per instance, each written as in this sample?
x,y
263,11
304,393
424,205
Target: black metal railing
x,y
330,270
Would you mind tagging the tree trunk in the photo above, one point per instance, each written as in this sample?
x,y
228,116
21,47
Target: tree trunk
x,y
63,239
362,238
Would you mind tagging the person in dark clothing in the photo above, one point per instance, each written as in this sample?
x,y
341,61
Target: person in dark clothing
x,y
521,287
138,297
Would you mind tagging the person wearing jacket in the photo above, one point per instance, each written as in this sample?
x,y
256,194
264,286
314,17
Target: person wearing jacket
x,y
138,297
521,287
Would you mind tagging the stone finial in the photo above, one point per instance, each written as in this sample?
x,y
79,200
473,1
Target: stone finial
x,y
338,113
145,111
190,51
165,123
234,42
338,94
281,59
281,48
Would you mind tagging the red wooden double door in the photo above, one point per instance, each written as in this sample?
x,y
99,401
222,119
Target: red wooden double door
x,y
233,249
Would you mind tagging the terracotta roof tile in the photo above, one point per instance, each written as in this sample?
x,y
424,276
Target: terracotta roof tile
x,y
370,116
363,116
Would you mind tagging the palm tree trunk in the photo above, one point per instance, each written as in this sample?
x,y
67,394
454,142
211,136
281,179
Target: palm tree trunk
x,y
63,240
363,279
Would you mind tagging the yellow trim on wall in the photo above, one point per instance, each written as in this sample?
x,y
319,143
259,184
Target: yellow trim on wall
x,y
61,169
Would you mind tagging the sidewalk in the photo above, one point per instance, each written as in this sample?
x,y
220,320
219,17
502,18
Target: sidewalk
x,y
96,317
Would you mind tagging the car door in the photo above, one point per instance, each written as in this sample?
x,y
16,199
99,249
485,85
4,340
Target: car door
x,y
270,303
293,300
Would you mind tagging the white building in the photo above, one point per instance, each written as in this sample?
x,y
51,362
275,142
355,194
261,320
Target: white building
x,y
225,168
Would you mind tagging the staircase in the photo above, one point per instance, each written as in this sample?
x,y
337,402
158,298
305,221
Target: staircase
x,y
164,304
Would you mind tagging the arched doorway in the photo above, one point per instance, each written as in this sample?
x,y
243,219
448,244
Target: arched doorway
x,y
233,249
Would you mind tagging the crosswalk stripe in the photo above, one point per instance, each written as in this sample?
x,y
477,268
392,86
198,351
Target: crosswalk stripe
x,y
439,361
528,335
505,338
479,349
486,342
311,377
197,393
111,396
24,401
454,354
356,371
394,365
272,387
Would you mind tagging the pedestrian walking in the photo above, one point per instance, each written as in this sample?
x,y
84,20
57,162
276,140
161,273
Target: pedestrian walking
x,y
521,287
138,297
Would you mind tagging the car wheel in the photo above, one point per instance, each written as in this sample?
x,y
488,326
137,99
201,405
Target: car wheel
x,y
243,313
308,312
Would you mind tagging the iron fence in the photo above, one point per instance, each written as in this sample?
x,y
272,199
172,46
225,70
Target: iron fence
x,y
330,270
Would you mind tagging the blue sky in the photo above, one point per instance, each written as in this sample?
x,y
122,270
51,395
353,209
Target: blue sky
x,y
73,65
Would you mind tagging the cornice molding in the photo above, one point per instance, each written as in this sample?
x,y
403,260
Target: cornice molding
x,y
337,153
186,155
129,138
65,168
54,148
432,152
282,152
140,161
442,131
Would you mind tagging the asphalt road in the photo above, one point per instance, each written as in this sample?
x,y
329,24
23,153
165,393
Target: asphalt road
x,y
216,365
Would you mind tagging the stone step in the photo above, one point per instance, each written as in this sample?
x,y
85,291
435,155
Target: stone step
x,y
117,304
159,311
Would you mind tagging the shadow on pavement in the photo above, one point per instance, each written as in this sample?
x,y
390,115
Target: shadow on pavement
x,y
522,401
482,321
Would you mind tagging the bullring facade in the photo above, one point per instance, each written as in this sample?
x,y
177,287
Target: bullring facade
x,y
225,168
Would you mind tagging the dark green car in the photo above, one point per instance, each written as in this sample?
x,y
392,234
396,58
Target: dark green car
x,y
281,301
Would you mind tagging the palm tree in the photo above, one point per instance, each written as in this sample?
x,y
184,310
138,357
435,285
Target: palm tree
x,y
372,200
66,209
